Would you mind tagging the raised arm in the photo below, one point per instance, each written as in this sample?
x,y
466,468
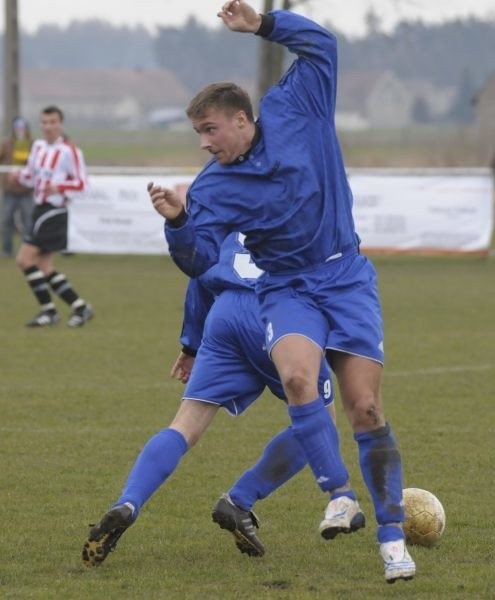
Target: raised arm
x,y
311,80
240,16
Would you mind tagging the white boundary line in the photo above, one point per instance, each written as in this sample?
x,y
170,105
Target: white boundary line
x,y
432,371
440,370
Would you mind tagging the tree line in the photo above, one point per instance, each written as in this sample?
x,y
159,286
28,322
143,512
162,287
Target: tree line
x,y
459,53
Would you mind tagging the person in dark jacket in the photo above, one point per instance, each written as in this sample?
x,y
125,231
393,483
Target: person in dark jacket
x,y
17,202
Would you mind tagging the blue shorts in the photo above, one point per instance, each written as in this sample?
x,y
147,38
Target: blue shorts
x,y
335,305
232,367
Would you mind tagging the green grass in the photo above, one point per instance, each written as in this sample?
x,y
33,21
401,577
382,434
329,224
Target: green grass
x,y
77,406
158,147
416,147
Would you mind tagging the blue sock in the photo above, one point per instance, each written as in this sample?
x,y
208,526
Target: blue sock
x,y
348,493
382,472
317,434
282,458
156,462
389,533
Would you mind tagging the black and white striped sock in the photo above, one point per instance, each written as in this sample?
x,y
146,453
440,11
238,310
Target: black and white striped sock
x,y
63,288
39,286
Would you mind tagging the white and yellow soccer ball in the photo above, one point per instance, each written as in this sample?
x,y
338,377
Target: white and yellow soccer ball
x,y
425,517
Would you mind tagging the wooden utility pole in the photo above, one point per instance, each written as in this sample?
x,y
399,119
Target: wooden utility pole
x,y
11,86
272,55
265,66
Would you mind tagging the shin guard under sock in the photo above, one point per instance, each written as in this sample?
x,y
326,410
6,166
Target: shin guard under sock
x,y
381,468
39,286
317,434
63,288
282,458
156,462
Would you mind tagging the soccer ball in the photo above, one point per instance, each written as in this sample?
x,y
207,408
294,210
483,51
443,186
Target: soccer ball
x,y
425,517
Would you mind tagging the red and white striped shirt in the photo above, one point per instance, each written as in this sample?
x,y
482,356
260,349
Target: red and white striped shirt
x,y
59,164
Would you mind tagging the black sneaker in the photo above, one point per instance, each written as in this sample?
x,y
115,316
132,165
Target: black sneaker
x,y
45,318
240,523
80,316
103,536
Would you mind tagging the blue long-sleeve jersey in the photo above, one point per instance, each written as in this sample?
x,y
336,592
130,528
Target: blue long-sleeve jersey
x,y
234,270
290,196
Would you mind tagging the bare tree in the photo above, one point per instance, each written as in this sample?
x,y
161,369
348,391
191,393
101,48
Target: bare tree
x,y
271,56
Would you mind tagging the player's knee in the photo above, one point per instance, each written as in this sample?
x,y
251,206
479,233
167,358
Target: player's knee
x,y
366,412
26,258
298,385
21,262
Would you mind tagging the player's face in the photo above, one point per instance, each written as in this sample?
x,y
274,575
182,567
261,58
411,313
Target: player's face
x,y
51,126
222,135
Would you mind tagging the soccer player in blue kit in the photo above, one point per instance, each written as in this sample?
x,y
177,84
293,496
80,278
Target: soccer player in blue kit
x,y
281,181
231,370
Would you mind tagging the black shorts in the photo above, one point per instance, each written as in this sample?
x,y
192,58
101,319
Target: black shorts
x,y
48,229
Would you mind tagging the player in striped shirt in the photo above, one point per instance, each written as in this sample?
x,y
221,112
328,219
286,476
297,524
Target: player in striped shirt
x,y
55,171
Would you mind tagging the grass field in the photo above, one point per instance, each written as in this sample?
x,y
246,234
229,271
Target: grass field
x,y
414,147
77,405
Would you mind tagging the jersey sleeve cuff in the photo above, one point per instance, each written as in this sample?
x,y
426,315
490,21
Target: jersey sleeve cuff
x,y
188,351
267,25
179,221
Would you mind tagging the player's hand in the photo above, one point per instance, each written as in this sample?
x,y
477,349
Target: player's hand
x,y
51,189
182,367
12,177
165,201
239,16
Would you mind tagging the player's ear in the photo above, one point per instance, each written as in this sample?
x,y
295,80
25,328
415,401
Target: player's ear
x,y
240,118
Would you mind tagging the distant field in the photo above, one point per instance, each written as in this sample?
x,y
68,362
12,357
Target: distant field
x,y
77,406
417,147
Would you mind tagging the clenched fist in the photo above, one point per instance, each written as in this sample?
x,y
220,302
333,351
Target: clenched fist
x,y
165,201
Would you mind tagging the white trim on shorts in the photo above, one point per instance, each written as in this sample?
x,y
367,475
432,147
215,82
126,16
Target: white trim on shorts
x,y
219,404
45,216
295,333
380,362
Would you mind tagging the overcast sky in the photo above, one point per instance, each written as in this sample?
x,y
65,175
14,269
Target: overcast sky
x,y
346,15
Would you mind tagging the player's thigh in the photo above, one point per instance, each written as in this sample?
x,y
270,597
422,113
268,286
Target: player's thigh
x,y
298,361
252,339
295,331
28,255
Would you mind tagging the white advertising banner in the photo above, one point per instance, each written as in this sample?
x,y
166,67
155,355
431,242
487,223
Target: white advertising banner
x,y
115,215
393,213
423,213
